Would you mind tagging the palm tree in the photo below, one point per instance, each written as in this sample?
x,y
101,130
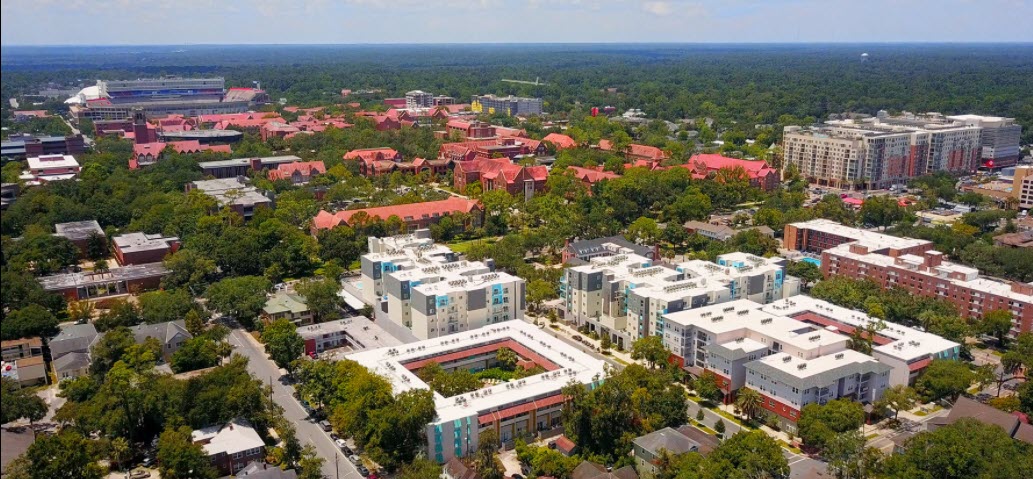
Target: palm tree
x,y
119,451
749,402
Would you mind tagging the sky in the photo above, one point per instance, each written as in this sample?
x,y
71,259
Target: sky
x,y
164,22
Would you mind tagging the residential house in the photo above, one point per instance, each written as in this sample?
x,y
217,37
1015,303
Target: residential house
x,y
454,468
73,338
287,305
1012,424
22,348
171,335
231,447
29,371
591,470
71,366
414,215
262,470
649,448
297,173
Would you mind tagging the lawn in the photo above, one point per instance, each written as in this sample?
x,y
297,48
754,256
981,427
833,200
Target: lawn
x,y
463,247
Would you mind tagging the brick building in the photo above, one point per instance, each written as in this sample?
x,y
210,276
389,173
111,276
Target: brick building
x,y
414,215
501,174
141,248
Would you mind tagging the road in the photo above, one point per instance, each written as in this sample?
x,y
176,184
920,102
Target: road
x,y
308,431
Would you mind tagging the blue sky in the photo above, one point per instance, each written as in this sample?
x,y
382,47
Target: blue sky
x,y
105,22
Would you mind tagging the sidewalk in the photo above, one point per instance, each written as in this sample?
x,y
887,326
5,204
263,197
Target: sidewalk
x,y
623,357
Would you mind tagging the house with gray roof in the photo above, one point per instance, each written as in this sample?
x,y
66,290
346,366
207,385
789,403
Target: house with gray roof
x,y
648,449
71,366
591,470
171,335
262,470
73,338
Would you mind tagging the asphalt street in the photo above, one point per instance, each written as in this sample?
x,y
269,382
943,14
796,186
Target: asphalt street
x,y
308,431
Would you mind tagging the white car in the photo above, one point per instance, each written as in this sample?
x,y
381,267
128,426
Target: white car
x,y
340,443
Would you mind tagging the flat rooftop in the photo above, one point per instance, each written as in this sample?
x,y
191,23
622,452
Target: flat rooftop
x,y
872,239
52,161
816,372
64,281
137,242
574,366
266,161
78,230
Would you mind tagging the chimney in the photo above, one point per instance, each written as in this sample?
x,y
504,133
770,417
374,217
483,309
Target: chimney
x,y
933,258
858,248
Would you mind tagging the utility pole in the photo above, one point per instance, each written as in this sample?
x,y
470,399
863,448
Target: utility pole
x,y
337,457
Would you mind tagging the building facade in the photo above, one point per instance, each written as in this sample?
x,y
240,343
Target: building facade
x,y
515,409
509,105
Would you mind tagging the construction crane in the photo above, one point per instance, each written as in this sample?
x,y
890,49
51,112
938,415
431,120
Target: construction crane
x,y
537,81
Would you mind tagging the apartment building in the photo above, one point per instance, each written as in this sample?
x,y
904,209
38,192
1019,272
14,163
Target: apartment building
x,y
874,154
1022,186
419,99
510,105
514,409
999,139
911,264
626,296
815,236
795,351
928,274
424,287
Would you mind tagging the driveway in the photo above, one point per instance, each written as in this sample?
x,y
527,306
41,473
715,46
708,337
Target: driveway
x,y
308,431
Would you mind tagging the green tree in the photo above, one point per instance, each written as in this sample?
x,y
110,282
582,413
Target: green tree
x,y
507,358
749,401
96,247
311,464
321,296
945,378
848,457
194,323
807,272
20,403
746,455
119,451
66,455
485,463
967,449
881,211
196,353
819,424
651,350
188,269
719,426
996,323
283,343
708,388
81,311
421,468
164,306
180,458
241,298
538,291
30,321
898,398
643,231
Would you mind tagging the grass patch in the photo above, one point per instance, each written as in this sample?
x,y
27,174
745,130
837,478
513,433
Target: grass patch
x,y
871,436
463,247
790,447
729,416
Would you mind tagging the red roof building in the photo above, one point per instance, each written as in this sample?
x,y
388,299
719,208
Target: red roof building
x,y
414,215
761,174
240,120
637,152
298,172
501,174
591,176
561,142
395,102
145,154
375,161
277,129
509,147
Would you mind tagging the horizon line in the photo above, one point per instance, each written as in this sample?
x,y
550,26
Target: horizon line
x,y
745,43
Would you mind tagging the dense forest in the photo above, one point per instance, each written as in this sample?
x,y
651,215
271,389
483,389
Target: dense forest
x,y
741,85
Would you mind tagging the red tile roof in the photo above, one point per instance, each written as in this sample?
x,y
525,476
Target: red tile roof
x,y
284,171
640,151
186,146
560,141
372,154
592,175
412,211
709,162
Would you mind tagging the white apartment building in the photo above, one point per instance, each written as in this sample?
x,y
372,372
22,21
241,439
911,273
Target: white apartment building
x,y
999,140
423,286
626,295
418,99
513,409
795,351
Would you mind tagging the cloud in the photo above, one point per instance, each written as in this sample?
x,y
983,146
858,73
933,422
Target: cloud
x,y
658,8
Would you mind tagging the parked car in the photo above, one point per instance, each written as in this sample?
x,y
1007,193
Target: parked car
x,y
576,338
148,461
340,444
139,474
325,425
362,470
